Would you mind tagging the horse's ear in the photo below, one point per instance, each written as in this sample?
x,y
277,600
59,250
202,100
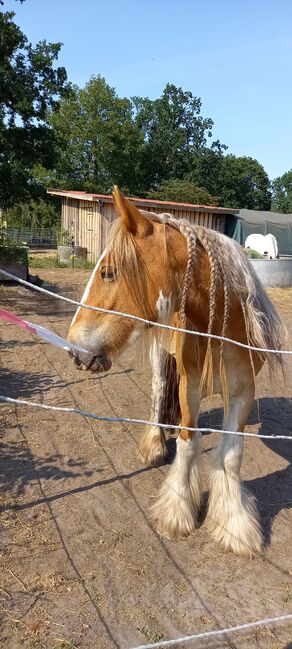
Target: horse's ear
x,y
134,221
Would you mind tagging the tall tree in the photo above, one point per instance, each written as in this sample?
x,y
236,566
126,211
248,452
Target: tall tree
x,y
173,130
30,84
182,191
206,167
282,193
99,143
243,183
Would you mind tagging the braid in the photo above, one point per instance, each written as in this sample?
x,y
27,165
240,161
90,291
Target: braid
x,y
222,369
191,241
207,373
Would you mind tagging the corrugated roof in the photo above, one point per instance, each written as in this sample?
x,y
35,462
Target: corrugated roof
x,y
147,202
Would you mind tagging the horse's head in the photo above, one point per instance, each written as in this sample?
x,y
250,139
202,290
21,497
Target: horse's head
x,y
139,273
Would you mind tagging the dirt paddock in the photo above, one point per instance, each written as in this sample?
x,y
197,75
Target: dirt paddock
x,y
81,564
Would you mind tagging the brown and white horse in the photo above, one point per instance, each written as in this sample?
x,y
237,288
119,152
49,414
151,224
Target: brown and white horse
x,y
165,270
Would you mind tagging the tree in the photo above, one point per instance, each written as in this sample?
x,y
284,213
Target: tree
x,y
243,183
182,191
21,1
206,167
173,132
29,86
33,214
282,193
98,141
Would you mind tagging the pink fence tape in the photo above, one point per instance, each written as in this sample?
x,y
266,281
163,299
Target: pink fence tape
x,y
40,331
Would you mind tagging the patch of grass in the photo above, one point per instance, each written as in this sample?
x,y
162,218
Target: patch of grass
x,y
53,262
32,643
151,636
287,597
64,644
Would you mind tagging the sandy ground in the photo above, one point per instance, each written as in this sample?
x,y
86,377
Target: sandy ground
x,y
81,565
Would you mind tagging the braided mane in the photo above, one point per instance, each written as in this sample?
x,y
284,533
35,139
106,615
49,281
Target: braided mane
x,y
230,268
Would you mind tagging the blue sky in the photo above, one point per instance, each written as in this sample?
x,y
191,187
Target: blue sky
x,y
234,54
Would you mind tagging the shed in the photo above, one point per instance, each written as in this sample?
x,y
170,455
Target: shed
x,y
258,222
89,216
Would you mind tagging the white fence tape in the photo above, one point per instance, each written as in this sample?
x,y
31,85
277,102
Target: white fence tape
x,y
41,332
216,632
143,320
128,420
140,422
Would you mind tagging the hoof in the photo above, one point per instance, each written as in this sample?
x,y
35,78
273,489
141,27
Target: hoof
x,y
232,519
152,448
175,512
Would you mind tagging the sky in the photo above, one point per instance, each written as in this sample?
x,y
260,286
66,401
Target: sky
x,y
234,54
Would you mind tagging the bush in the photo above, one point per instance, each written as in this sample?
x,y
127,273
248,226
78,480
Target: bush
x,y
253,254
34,214
12,252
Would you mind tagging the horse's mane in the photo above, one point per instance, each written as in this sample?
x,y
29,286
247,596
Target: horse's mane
x,y
229,267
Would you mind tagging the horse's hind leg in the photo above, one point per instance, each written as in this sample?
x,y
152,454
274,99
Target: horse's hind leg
x,y
232,516
164,406
179,500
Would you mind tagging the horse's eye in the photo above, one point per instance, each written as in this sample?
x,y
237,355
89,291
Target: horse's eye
x,y
108,274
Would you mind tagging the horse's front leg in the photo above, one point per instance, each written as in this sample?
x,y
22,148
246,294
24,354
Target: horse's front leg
x,y
164,405
175,512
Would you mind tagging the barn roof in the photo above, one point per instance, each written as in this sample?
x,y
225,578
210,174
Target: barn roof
x,y
142,202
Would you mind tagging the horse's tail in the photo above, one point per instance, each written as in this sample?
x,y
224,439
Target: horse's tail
x,y
264,327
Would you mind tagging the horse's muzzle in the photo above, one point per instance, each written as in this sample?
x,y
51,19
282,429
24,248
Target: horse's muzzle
x,y
95,363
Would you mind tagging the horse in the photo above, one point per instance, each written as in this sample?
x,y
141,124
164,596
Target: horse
x,y
266,245
168,271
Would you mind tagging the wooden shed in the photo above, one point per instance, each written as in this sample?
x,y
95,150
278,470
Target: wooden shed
x,y
89,216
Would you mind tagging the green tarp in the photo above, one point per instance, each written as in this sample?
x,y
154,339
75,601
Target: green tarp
x,y
253,222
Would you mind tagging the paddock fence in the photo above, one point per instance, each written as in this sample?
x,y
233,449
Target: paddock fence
x,y
287,617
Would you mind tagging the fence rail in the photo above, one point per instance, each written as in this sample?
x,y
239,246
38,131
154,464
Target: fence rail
x,y
38,237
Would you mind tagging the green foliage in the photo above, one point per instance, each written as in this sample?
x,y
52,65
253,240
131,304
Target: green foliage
x,y
30,84
55,134
64,237
98,141
182,191
11,252
21,1
173,132
54,262
243,183
282,193
253,254
33,214
206,167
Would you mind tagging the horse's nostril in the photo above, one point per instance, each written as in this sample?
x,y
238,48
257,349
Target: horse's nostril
x,y
91,362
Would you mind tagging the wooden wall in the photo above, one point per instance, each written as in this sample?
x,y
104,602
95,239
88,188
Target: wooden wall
x,y
208,219
90,222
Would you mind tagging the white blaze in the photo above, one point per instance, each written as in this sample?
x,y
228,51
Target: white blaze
x,y
89,284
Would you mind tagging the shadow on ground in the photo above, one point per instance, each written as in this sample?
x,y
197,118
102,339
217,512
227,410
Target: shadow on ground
x,y
19,468
273,491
